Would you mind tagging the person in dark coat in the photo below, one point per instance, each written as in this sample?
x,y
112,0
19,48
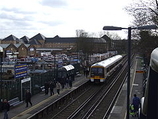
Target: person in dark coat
x,y
62,82
28,98
52,86
46,87
6,108
87,72
136,103
72,77
1,105
70,83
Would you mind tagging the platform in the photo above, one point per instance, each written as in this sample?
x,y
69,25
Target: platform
x,y
40,100
119,111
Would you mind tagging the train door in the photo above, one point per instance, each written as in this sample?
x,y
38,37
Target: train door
x,y
105,73
151,101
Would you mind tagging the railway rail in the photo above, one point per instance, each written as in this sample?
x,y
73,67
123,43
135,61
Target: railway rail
x,y
95,102
88,101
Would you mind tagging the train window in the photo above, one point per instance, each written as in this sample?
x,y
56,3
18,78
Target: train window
x,y
100,70
97,71
93,71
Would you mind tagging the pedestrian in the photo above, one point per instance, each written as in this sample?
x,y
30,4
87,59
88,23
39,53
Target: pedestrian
x,y
62,82
87,72
1,105
70,83
6,108
46,87
58,86
72,77
136,104
66,82
52,86
84,71
28,98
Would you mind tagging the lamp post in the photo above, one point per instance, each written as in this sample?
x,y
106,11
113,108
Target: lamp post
x,y
129,54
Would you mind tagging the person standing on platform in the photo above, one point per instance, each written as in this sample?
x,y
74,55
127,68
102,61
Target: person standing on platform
x,y
58,86
72,77
87,72
66,82
62,82
1,105
52,86
46,87
136,104
6,108
28,98
70,83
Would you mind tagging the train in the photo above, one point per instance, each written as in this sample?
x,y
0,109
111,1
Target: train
x,y
101,70
149,102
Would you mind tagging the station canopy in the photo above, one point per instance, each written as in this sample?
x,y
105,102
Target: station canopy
x,y
68,67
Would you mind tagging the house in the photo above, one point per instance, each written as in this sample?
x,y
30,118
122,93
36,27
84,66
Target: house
x,y
19,50
27,46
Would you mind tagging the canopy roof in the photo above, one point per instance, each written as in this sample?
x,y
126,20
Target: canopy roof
x,y
68,67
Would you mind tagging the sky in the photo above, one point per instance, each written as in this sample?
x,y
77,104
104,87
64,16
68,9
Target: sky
x,y
61,17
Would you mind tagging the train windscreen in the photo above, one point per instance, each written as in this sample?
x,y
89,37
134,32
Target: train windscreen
x,y
95,71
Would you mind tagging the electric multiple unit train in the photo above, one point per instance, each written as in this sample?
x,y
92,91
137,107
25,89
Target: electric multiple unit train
x,y
101,70
149,103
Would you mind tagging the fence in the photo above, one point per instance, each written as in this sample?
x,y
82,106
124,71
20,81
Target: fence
x,y
12,88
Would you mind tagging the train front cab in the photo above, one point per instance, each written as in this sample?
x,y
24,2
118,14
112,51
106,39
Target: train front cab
x,y
149,103
97,74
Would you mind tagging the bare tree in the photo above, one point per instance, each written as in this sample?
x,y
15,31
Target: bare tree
x,y
113,36
144,12
81,33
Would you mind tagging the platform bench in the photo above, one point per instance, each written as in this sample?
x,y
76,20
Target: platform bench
x,y
14,102
42,88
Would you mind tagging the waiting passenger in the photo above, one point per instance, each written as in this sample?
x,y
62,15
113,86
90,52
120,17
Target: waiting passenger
x,y
6,108
62,82
28,98
46,87
1,105
58,86
52,86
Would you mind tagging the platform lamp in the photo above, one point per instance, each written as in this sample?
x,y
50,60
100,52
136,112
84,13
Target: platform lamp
x,y
147,27
1,62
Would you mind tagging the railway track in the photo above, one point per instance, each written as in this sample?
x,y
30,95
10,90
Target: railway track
x,y
96,102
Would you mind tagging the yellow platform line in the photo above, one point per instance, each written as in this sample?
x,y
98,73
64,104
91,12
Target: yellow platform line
x,y
33,107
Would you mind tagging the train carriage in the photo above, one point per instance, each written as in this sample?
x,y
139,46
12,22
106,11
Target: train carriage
x,y
101,70
149,103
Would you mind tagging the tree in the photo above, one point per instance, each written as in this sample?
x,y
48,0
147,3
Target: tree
x,y
84,43
113,36
147,44
144,12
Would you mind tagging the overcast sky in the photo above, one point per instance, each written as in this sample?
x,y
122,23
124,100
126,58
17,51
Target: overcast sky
x,y
61,17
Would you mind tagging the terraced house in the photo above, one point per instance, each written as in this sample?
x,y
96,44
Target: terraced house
x,y
26,46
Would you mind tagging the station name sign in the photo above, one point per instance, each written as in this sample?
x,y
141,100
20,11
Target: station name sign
x,y
20,70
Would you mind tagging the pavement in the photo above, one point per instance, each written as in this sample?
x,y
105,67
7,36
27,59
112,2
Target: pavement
x,y
20,111
119,110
